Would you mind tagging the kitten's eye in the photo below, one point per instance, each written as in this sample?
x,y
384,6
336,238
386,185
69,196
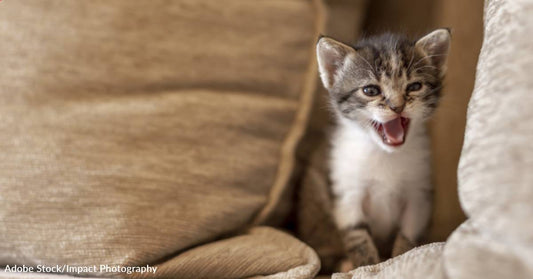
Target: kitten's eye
x,y
371,90
415,86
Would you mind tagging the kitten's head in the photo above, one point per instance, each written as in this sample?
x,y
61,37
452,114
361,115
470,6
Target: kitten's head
x,y
386,83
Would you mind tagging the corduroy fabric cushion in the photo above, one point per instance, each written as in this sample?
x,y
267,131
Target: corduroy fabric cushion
x,y
132,131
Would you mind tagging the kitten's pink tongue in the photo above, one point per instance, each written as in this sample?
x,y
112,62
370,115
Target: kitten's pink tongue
x,y
394,131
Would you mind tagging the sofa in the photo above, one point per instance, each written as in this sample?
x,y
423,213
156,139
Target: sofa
x,y
189,136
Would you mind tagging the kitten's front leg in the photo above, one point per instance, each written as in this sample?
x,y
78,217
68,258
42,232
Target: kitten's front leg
x,y
360,247
414,222
351,222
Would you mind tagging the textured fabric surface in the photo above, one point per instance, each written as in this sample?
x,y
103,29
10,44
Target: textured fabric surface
x,y
420,263
261,253
495,171
232,258
20,275
472,252
133,131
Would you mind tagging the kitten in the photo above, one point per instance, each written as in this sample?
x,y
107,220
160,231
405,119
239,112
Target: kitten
x,y
382,90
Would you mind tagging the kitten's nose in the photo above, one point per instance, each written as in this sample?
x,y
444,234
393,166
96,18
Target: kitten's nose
x,y
397,108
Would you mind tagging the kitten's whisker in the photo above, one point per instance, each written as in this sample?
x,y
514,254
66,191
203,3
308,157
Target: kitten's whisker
x,y
412,58
426,66
368,63
432,91
427,56
426,75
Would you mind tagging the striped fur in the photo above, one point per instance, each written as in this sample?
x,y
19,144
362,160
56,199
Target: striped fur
x,y
381,194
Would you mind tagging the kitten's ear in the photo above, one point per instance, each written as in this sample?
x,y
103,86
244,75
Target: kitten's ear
x,y
331,56
436,45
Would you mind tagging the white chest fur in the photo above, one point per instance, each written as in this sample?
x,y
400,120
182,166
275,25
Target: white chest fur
x,y
373,186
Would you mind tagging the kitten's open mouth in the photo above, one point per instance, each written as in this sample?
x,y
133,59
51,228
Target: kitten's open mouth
x,y
392,132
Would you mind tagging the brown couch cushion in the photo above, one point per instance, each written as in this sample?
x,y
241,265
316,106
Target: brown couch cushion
x,y
262,252
134,130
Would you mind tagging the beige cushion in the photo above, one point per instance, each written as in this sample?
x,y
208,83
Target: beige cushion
x,y
420,263
133,131
495,171
35,275
260,253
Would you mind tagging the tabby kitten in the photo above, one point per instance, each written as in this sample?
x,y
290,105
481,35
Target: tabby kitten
x,y
382,90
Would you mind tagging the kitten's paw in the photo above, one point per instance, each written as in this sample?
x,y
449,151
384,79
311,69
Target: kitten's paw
x,y
345,265
401,245
360,248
